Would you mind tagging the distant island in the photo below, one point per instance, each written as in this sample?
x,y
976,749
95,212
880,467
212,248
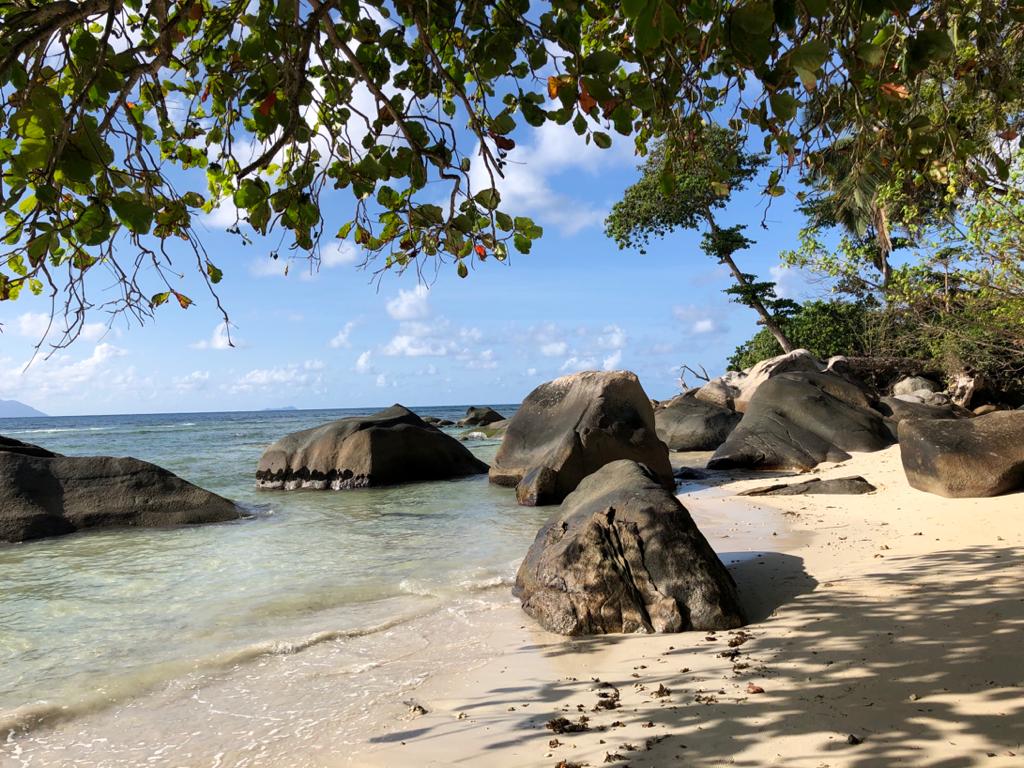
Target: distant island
x,y
282,408
12,409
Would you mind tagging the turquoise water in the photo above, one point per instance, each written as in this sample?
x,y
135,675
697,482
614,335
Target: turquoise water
x,y
96,618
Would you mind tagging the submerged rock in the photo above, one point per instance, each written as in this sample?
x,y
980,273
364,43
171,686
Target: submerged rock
x,y
623,555
478,416
47,494
389,447
688,424
575,425
798,420
835,486
964,458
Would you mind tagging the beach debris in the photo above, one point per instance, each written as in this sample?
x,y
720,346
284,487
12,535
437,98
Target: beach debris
x,y
561,725
608,699
567,764
415,709
854,740
662,692
554,743
617,724
914,697
751,688
462,716
648,724
611,757
739,638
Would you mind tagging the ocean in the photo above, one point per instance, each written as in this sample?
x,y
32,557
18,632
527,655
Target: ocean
x,y
94,621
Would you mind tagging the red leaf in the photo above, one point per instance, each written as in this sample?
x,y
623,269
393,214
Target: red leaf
x,y
504,142
481,251
183,300
895,90
267,104
587,102
553,84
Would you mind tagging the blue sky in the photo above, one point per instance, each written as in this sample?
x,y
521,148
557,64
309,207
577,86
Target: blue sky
x,y
335,338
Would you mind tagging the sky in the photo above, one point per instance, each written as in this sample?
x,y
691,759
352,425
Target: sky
x,y
337,337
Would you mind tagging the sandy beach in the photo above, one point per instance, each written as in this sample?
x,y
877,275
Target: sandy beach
x,y
886,629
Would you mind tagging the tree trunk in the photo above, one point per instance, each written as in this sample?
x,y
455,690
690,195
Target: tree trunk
x,y
767,319
755,304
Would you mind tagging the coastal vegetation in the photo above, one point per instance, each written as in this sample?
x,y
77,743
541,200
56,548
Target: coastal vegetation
x,y
123,122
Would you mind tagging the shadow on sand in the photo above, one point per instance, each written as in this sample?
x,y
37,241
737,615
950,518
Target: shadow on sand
x,y
894,661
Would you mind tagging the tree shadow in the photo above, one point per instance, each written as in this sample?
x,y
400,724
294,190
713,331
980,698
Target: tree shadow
x,y
925,649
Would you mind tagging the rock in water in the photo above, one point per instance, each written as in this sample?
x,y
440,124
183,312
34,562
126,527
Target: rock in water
x,y
964,458
575,425
798,420
839,486
389,447
480,416
623,555
688,424
46,494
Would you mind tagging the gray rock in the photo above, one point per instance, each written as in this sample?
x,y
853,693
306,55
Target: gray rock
x,y
896,409
913,384
434,421
965,458
574,426
479,416
486,431
46,494
688,424
798,420
623,555
389,447
839,486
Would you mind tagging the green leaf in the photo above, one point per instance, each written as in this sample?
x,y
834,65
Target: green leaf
x,y
754,19
159,298
133,213
214,273
463,269
600,62
603,140
488,198
784,105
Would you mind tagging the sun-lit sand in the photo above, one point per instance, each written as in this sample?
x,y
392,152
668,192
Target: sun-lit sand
x,y
885,629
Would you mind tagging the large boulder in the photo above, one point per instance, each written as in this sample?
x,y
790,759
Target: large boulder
x,y
389,447
688,424
737,388
623,555
912,384
46,494
897,409
480,416
573,426
798,420
962,458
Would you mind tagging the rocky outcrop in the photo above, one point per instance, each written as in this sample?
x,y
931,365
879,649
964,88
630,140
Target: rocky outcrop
x,y
896,409
688,424
838,486
965,458
623,555
435,421
480,416
389,447
912,384
46,494
736,388
575,425
798,420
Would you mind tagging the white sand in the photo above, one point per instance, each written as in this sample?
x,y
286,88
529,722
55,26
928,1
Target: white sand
x,y
896,617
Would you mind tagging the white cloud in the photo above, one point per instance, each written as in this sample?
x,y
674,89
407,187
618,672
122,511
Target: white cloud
x,y
611,362
218,339
268,267
364,363
704,325
296,376
414,345
700,321
410,305
555,149
787,281
33,325
62,376
193,381
340,253
575,363
554,349
341,338
382,380
612,338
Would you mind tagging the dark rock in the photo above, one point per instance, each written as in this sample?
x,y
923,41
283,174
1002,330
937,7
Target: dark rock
x,y
389,447
478,416
836,486
798,420
538,488
575,425
623,555
896,410
688,424
689,473
964,458
46,494
434,421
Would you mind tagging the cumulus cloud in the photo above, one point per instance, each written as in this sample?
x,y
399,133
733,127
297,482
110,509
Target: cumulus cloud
x,y
700,321
364,363
574,364
340,253
219,339
554,349
613,337
341,338
62,374
410,305
192,382
305,375
611,362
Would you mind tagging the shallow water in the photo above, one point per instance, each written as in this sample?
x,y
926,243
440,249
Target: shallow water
x,y
97,618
